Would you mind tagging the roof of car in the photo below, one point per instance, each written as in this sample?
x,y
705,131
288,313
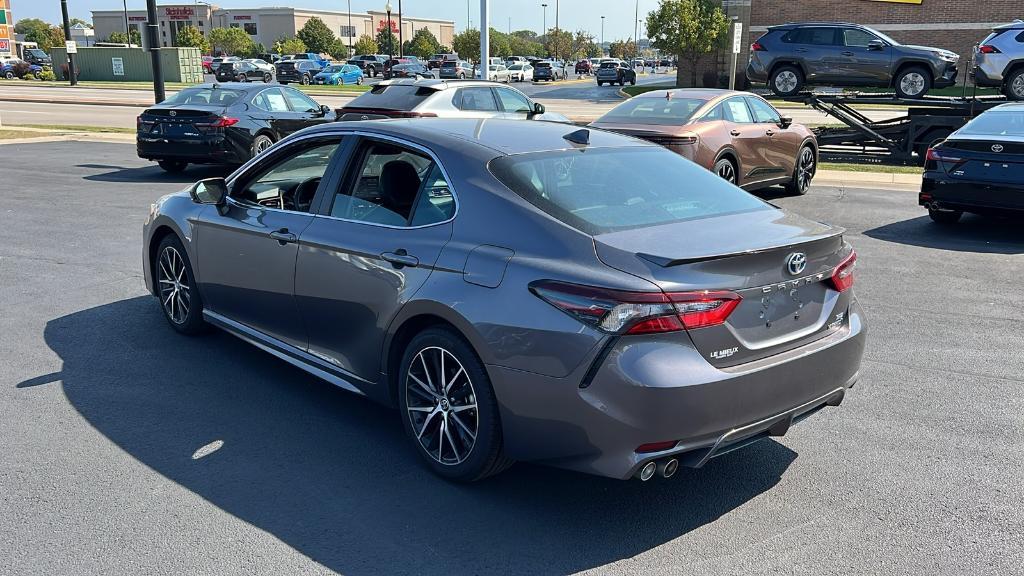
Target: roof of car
x,y
498,134
700,93
1010,107
788,25
436,84
246,86
1015,25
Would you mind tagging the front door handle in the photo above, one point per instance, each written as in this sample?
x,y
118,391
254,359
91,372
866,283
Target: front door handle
x,y
800,50
769,132
283,236
847,53
734,132
400,258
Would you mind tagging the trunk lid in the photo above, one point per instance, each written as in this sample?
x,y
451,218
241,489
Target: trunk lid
x,y
981,158
749,253
185,121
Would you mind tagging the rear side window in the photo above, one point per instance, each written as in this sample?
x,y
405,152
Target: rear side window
x,y
476,99
394,97
583,188
1020,37
818,36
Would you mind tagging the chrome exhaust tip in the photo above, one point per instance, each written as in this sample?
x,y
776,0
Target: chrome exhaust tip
x,y
668,468
647,472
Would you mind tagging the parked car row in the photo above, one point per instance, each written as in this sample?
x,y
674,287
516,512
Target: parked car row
x,y
11,68
641,327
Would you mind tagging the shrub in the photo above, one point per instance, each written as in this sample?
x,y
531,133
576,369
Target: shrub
x,y
47,75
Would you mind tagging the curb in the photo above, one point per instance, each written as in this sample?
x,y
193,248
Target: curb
x,y
868,179
75,137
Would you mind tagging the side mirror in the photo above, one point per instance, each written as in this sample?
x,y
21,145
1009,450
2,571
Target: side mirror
x,y
876,45
538,108
209,191
785,121
325,109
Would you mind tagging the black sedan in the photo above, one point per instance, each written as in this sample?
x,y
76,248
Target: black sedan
x,y
978,169
240,71
411,70
223,123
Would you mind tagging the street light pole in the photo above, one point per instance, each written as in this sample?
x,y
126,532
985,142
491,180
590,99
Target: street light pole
x,y
556,29
67,36
636,40
127,32
391,35
154,50
350,31
485,40
602,35
544,32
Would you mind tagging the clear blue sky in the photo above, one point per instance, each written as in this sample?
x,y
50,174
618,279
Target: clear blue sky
x,y
573,14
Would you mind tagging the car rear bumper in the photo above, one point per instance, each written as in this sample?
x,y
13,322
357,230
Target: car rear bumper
x,y
983,78
217,149
938,191
757,72
660,388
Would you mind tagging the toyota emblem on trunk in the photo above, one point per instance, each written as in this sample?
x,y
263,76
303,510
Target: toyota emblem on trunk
x,y
997,147
173,113
796,262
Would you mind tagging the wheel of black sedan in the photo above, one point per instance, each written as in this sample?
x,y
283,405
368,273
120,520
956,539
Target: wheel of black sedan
x,y
267,77
945,217
803,172
175,287
260,143
726,169
448,407
172,166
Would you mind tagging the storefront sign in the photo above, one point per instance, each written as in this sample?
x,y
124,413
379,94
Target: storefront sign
x,y
5,46
136,18
243,17
179,12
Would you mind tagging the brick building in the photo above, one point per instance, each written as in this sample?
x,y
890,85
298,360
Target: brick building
x,y
955,25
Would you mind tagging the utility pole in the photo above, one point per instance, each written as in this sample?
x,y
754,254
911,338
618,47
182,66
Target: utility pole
x,y
636,38
602,35
556,29
154,50
485,39
469,17
67,36
544,32
127,31
350,31
400,42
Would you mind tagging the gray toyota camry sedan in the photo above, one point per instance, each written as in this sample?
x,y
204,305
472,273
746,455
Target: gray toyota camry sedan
x,y
520,290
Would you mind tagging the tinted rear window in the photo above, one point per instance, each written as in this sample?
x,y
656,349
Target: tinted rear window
x,y
542,65
815,35
394,97
671,112
448,64
583,188
609,64
995,123
215,96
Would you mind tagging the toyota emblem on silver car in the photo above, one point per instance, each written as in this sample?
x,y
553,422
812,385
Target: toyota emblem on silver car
x,y
796,262
997,147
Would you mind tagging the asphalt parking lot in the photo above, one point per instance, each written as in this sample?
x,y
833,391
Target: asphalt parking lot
x,y
130,449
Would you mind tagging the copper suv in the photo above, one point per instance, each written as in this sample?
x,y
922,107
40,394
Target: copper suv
x,y
737,135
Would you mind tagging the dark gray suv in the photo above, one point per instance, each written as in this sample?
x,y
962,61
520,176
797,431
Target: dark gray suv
x,y
839,54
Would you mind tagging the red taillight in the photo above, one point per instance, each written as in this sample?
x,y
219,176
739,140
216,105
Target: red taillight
x,y
655,446
842,276
624,312
986,49
222,122
936,155
758,47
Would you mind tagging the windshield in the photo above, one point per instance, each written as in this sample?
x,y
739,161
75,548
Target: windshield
x,y
583,188
652,110
995,123
332,69
882,36
215,96
37,53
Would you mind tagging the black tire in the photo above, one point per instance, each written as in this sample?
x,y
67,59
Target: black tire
x,y
371,71
803,171
260,143
726,169
282,82
267,77
243,78
9,75
946,218
462,76
470,387
599,83
173,166
786,81
913,82
632,81
1013,88
306,80
181,294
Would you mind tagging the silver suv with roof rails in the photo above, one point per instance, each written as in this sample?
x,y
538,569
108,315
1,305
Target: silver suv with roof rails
x,y
793,55
408,98
999,60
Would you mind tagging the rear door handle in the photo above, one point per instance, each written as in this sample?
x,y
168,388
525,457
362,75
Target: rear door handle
x,y
734,132
283,236
400,258
847,53
800,50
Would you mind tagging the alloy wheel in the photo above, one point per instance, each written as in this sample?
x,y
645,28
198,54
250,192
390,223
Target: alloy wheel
x,y
175,292
1017,88
785,81
726,171
262,144
805,168
441,404
912,84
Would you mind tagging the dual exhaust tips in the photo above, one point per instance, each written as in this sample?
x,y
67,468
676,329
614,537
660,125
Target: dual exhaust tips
x,y
665,468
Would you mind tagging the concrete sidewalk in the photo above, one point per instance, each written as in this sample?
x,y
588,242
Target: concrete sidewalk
x,y
853,179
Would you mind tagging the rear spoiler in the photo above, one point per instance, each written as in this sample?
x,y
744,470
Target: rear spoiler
x,y
665,262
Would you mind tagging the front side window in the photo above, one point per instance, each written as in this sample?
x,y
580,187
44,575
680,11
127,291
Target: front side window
x,y
271,100
512,101
395,186
736,111
291,181
857,38
478,99
763,112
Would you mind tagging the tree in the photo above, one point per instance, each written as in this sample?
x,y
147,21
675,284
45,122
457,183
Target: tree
x,y
339,50
366,45
423,44
85,23
27,25
233,41
528,35
622,49
467,44
583,46
387,40
52,36
558,43
191,37
316,36
499,44
520,46
120,38
688,29
291,45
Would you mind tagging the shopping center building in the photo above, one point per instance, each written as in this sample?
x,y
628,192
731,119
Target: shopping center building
x,y
264,25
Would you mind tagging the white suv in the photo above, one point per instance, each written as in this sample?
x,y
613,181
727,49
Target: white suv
x,y
999,60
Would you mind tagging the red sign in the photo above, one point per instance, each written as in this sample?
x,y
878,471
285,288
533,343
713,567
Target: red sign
x,y
383,23
178,12
5,45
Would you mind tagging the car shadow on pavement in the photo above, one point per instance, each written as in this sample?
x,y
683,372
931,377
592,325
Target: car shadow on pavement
x,y
332,475
153,173
971,234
